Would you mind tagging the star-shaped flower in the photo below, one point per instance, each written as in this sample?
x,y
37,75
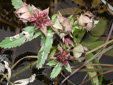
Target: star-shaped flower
x,y
63,56
41,19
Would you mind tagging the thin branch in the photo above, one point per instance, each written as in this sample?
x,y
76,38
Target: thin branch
x,y
67,80
100,65
22,59
99,47
96,76
27,67
93,70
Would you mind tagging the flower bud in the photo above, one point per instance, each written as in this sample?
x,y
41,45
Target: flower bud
x,y
23,13
86,20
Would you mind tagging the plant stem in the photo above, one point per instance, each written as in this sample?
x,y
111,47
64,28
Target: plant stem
x,y
67,80
6,78
27,67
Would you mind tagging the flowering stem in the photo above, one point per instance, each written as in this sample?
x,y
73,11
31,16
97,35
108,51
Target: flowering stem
x,y
95,56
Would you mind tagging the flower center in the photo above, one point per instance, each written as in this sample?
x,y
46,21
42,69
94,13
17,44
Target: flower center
x,y
39,19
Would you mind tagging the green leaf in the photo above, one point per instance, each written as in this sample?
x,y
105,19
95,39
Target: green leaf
x,y
53,51
92,45
78,35
72,21
96,32
68,68
100,72
51,63
58,25
56,70
54,17
95,81
46,49
17,3
7,43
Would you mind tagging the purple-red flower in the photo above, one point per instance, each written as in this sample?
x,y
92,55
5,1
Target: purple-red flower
x,y
63,57
41,19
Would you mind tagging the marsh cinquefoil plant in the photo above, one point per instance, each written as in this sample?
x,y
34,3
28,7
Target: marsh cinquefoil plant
x,y
65,29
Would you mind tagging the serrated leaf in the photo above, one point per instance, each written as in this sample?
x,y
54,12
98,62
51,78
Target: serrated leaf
x,y
51,63
56,70
46,49
95,81
68,68
17,3
100,72
7,43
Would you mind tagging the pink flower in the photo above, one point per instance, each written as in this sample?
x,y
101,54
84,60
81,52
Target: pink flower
x,y
68,41
23,13
86,20
41,19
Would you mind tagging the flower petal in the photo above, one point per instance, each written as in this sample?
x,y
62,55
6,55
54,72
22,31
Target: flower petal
x,y
44,13
61,18
68,41
60,49
64,53
43,29
31,19
37,25
48,22
26,15
22,9
36,12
